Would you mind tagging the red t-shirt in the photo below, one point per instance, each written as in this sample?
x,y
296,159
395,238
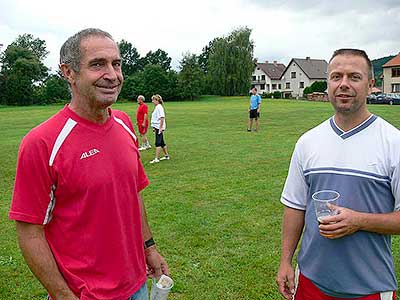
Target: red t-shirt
x,y
141,111
81,180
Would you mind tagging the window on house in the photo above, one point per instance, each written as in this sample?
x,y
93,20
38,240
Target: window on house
x,y
274,86
395,72
279,86
262,77
288,85
254,78
395,87
268,87
262,87
293,75
301,85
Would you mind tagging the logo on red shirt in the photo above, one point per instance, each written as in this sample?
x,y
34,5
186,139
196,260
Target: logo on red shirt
x,y
89,153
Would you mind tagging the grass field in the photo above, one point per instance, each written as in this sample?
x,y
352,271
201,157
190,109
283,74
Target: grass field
x,y
214,207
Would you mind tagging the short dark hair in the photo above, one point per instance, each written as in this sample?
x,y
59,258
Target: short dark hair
x,y
356,52
254,88
70,53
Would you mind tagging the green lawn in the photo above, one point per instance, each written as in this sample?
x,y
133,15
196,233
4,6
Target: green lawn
x,y
214,207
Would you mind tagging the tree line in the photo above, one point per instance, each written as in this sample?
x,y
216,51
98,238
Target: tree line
x,y
223,67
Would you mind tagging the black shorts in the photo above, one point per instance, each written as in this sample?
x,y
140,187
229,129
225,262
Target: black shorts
x,y
254,114
159,138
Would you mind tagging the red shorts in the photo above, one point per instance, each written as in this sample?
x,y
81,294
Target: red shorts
x,y
306,290
142,129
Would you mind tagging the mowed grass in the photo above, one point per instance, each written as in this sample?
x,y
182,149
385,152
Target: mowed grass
x,y
213,208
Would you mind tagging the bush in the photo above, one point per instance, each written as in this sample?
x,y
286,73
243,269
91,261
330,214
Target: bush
x,y
277,94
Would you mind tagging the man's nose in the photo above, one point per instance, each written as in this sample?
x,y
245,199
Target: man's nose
x,y
110,73
344,83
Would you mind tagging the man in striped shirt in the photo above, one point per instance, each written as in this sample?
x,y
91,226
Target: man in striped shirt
x,y
348,255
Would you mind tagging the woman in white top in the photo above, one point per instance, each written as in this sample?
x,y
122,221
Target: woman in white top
x,y
159,125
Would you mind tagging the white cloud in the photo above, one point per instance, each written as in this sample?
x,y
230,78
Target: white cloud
x,y
281,29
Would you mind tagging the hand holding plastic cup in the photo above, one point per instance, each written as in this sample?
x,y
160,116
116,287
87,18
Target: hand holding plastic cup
x,y
324,202
161,287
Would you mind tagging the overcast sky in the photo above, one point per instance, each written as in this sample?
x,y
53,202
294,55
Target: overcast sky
x,y
281,30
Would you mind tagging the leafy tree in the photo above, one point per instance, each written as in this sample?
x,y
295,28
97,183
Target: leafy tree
x,y
36,46
190,77
307,90
159,57
133,87
152,80
277,94
23,70
204,56
55,89
230,63
319,86
131,62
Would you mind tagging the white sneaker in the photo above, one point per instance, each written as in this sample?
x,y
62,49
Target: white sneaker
x,y
148,146
164,158
141,148
155,160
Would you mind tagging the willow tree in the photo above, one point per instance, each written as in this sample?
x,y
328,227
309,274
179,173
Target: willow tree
x,y
230,63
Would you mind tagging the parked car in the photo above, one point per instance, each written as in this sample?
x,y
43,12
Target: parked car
x,y
383,99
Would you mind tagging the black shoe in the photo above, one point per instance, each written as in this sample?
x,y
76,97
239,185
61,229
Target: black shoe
x,y
248,130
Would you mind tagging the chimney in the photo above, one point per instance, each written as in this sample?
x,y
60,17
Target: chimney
x,y
275,62
266,61
308,58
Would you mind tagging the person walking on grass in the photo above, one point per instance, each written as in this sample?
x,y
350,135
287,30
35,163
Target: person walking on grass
x,y
254,109
81,223
142,121
159,125
356,153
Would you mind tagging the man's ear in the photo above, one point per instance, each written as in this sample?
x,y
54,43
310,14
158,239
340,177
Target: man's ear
x,y
68,73
371,84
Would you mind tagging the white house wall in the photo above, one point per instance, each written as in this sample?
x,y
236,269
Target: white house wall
x,y
258,82
268,82
295,82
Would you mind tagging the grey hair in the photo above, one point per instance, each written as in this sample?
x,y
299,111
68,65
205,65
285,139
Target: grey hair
x,y
70,53
141,97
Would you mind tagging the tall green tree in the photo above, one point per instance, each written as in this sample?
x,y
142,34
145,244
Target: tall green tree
x,y
131,62
22,70
159,57
230,63
190,77
35,45
55,89
152,80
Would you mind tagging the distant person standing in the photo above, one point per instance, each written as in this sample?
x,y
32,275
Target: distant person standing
x,y
142,120
159,125
254,109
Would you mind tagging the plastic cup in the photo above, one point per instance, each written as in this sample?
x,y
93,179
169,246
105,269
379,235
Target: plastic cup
x,y
323,201
161,288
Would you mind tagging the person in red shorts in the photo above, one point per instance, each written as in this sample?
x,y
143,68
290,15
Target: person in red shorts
x,y
142,120
80,220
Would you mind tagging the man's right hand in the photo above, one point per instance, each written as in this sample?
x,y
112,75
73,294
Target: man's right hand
x,y
285,281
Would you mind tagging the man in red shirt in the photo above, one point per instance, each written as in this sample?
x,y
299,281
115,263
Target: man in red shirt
x,y
81,223
142,120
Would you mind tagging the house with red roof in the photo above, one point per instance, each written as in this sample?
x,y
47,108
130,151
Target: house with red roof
x,y
391,76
